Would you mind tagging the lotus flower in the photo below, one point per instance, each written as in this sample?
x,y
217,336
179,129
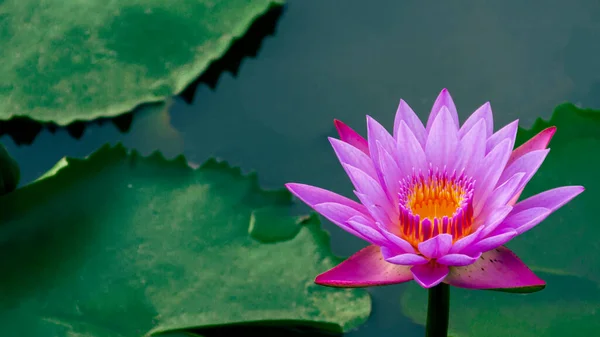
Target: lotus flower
x,y
437,202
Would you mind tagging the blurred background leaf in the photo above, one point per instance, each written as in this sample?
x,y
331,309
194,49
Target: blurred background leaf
x,y
67,61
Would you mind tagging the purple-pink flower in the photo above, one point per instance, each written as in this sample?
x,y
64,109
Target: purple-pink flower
x,y
437,202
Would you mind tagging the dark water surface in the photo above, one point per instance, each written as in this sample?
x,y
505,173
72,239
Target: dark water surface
x,y
344,59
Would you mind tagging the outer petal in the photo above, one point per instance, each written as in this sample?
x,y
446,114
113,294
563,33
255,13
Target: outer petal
x,y
340,214
377,134
430,274
494,220
376,210
312,195
525,220
400,245
392,173
442,141
484,113
552,199
348,154
409,147
528,163
472,148
489,172
458,260
494,241
405,259
499,269
367,185
348,135
501,195
461,244
407,115
443,100
508,132
437,246
367,229
366,268
537,142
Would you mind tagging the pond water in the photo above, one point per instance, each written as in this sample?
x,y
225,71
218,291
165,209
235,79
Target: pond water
x,y
345,59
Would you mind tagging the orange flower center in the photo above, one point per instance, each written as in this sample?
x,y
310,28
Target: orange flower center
x,y
435,204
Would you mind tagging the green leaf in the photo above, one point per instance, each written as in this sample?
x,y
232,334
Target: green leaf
x,y
567,307
10,174
567,241
64,61
119,245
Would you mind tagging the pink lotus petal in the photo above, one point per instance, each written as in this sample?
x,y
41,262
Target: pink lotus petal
x,y
499,269
348,154
483,113
400,245
366,268
442,141
552,199
537,142
501,195
495,219
499,238
515,198
526,219
508,132
443,100
458,260
412,153
437,246
461,244
378,212
407,115
348,135
429,275
405,259
312,195
367,185
489,172
471,150
392,175
377,133
340,214
528,163
367,229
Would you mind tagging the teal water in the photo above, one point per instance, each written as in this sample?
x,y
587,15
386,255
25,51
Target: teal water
x,y
345,59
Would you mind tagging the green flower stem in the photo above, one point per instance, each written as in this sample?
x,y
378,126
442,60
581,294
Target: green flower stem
x,y
438,311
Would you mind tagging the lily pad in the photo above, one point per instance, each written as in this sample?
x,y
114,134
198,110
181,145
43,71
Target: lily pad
x,y
64,61
120,245
567,241
567,307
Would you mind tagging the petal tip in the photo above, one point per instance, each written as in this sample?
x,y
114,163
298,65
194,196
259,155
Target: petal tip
x,y
292,187
523,290
323,280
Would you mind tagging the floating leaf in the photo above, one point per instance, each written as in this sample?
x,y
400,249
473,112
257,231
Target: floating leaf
x,y
566,242
567,307
64,61
119,245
